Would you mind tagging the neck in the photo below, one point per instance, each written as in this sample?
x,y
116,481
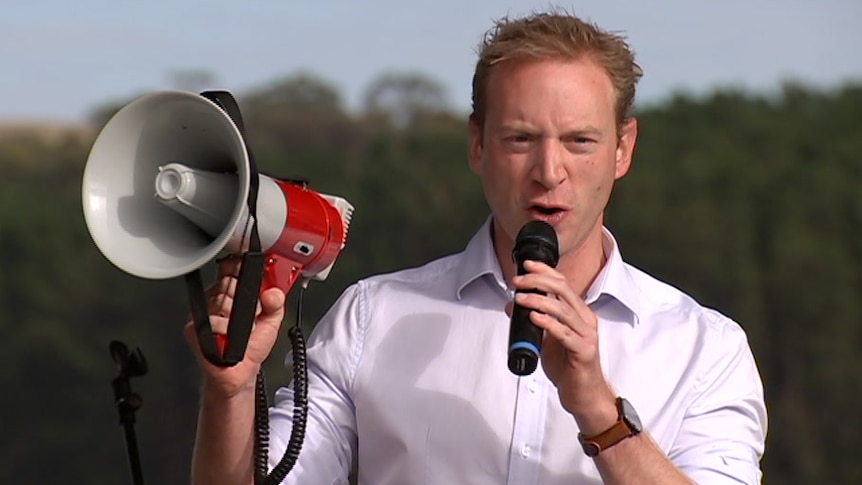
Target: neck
x,y
583,262
580,262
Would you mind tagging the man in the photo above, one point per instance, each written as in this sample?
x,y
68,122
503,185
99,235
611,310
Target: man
x,y
638,384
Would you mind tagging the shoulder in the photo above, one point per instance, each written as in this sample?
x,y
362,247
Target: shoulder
x,y
339,339
663,304
434,276
715,347
398,288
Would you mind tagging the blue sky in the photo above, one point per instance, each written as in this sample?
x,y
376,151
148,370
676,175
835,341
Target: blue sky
x,y
62,58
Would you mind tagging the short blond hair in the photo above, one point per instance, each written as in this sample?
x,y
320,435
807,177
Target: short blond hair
x,y
557,35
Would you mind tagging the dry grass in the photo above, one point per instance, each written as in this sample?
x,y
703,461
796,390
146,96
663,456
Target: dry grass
x,y
48,132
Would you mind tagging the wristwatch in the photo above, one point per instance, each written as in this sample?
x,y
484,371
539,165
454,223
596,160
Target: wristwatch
x,y
628,424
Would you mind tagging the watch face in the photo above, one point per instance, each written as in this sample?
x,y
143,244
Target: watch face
x,y
631,416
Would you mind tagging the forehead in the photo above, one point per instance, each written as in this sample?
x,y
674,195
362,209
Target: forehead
x,y
543,90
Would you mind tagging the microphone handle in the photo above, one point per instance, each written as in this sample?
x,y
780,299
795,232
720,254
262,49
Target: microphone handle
x,y
525,341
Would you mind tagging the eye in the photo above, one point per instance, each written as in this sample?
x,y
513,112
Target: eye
x,y
579,139
518,138
580,143
518,142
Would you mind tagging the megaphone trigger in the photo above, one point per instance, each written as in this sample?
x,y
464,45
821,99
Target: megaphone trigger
x,y
280,272
221,343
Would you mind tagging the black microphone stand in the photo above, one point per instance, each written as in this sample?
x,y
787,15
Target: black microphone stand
x,y
127,402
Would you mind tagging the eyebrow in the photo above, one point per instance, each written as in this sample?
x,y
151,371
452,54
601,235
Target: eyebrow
x,y
526,128
584,130
522,126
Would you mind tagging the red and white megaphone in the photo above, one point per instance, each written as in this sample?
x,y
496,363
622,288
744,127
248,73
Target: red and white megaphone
x,y
166,190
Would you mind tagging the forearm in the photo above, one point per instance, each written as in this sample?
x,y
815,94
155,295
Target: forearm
x,y
638,460
224,442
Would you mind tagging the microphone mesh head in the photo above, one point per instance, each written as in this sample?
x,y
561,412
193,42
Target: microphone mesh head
x,y
537,241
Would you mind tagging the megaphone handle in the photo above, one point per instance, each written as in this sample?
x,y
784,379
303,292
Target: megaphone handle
x,y
220,350
221,343
279,272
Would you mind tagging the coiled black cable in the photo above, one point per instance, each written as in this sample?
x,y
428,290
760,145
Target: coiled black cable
x,y
300,411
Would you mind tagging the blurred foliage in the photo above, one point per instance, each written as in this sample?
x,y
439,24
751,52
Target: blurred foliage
x,y
749,202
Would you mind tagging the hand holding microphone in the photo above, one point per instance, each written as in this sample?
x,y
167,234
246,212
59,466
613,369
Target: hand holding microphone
x,y
536,241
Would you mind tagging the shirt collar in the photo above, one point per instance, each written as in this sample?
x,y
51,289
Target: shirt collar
x,y
479,259
614,280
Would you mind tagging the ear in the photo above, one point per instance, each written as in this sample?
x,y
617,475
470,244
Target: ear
x,y
626,148
476,145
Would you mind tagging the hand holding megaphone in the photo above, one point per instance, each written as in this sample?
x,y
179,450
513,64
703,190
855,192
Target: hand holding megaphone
x,y
228,381
170,184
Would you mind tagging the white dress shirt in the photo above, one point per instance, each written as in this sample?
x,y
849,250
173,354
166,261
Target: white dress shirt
x,y
408,375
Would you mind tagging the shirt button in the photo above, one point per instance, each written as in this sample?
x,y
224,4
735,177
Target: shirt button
x,y
533,386
525,451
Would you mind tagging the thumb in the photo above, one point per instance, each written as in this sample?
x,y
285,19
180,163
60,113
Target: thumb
x,y
509,308
272,303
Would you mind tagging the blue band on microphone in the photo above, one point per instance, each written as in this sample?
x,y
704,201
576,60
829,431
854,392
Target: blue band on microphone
x,y
524,345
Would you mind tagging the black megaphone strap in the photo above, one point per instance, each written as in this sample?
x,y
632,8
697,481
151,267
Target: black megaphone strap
x,y
251,271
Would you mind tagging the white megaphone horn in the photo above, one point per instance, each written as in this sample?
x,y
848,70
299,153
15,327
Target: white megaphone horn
x,y
166,190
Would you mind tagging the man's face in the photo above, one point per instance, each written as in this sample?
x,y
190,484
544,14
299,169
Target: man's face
x,y
549,148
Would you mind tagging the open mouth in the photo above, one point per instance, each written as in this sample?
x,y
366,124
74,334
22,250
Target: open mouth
x,y
551,215
545,211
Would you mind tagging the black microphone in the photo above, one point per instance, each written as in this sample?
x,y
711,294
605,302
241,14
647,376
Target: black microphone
x,y
536,241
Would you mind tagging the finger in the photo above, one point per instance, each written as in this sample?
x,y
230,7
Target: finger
x,y
556,309
539,267
541,277
572,340
224,284
216,295
544,278
267,324
220,305
272,302
217,324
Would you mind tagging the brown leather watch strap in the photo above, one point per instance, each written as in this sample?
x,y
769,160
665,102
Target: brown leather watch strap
x,y
619,431
616,433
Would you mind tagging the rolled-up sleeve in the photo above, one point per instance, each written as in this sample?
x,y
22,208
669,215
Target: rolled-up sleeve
x,y
723,432
330,439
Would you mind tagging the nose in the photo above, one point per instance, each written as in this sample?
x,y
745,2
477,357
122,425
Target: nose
x,y
548,167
